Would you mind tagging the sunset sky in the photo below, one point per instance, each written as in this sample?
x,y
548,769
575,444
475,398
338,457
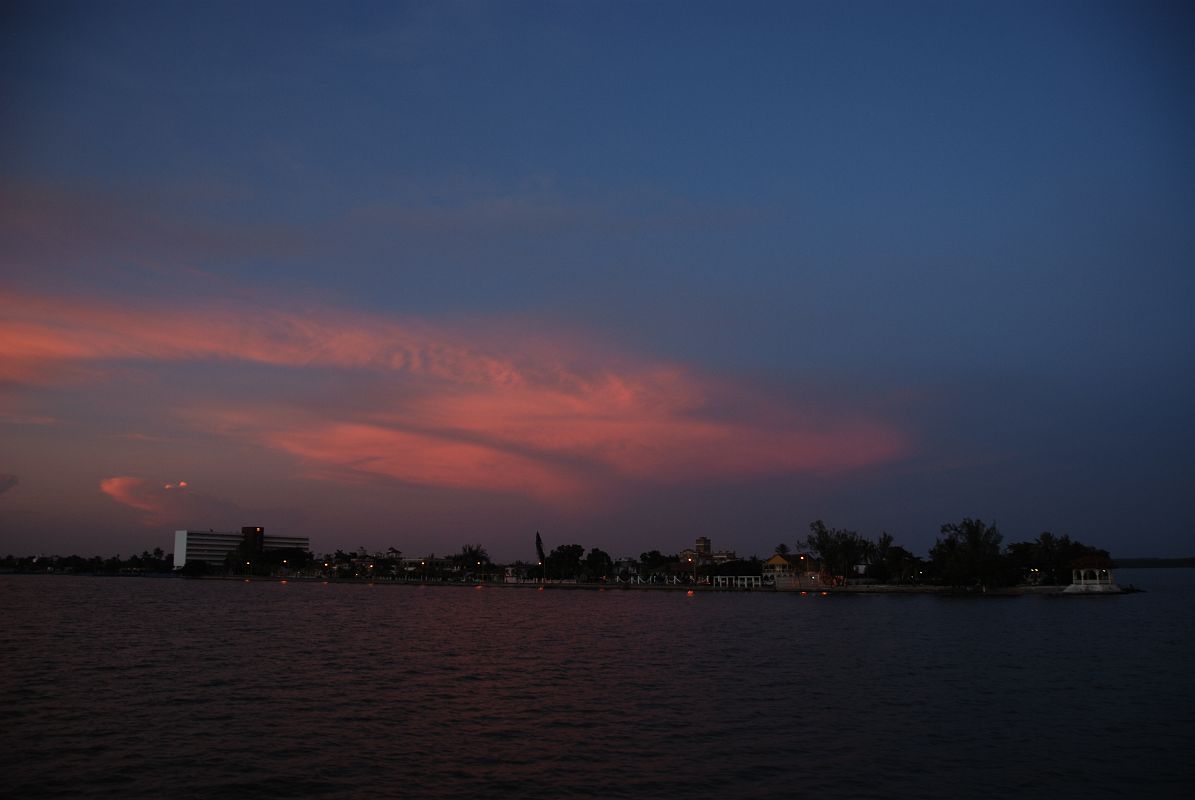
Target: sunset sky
x,y
625,273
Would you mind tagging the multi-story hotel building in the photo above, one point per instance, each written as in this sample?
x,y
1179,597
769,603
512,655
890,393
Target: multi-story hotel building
x,y
213,546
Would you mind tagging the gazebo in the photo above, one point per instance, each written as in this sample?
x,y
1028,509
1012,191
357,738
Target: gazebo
x,y
1092,574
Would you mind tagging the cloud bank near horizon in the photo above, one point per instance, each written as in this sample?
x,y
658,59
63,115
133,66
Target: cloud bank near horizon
x,y
511,409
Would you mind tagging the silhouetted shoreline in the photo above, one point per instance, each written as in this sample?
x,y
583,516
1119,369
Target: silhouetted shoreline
x,y
822,591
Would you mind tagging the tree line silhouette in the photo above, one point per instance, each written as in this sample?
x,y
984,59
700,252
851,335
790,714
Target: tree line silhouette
x,y
969,554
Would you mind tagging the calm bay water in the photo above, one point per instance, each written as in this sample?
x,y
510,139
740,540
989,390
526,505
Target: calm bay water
x,y
140,687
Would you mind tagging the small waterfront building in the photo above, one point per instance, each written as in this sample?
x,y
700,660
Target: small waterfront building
x,y
1092,574
791,572
778,566
213,546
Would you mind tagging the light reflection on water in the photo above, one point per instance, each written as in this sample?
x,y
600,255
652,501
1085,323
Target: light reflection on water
x,y
142,687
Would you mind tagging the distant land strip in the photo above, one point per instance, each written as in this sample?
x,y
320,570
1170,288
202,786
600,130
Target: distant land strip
x,y
1146,563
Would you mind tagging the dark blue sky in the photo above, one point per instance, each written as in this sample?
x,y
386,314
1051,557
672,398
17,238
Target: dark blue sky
x,y
740,266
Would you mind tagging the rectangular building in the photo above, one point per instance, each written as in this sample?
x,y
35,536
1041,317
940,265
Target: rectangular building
x,y
214,546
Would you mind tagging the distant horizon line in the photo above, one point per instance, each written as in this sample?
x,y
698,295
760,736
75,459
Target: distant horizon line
x,y
7,556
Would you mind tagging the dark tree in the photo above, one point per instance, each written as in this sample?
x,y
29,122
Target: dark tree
x,y
839,549
598,564
968,554
879,567
891,563
1047,559
471,554
654,561
471,558
564,562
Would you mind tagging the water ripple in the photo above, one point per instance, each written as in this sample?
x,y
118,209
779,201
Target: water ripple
x,y
207,688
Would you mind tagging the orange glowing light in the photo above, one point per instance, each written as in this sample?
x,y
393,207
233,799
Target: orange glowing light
x,y
689,593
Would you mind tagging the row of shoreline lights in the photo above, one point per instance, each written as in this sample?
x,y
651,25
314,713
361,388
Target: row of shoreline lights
x,y
424,565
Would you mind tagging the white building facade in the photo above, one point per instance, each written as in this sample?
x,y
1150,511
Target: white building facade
x,y
213,546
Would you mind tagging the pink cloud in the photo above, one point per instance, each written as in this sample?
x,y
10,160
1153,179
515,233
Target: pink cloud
x,y
44,334
129,491
648,431
559,446
419,458
541,415
173,503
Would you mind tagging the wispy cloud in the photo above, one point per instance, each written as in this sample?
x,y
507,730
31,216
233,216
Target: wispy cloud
x,y
538,414
42,334
56,228
8,418
52,230
7,482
